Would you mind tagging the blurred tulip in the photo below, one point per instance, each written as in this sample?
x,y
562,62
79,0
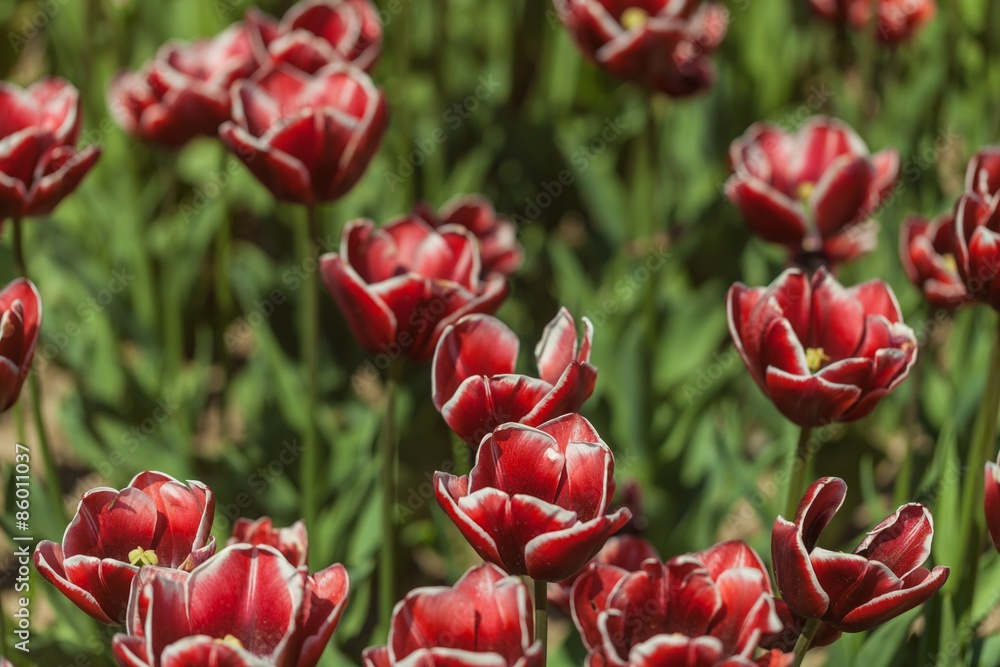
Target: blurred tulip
x,y
882,579
307,139
315,33
184,91
499,251
401,285
20,323
484,620
820,352
814,190
245,606
898,20
708,608
982,176
977,246
474,385
155,520
665,45
927,249
623,552
991,501
39,161
536,499
292,542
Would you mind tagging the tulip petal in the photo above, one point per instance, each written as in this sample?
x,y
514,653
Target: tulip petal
x,y
588,598
48,559
325,596
841,196
793,572
902,542
768,213
371,321
920,586
557,348
475,345
450,491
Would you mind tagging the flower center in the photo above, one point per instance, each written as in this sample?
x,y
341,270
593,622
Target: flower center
x,y
231,640
816,358
949,261
634,17
140,557
805,190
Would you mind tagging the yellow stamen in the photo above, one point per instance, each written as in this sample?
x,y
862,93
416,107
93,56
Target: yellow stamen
x,y
140,557
949,261
633,17
805,190
231,640
816,358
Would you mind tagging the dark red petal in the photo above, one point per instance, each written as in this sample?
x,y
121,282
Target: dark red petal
x,y
557,348
55,186
482,404
768,213
838,317
991,501
48,559
793,573
728,555
877,298
677,651
131,651
475,345
370,319
209,651
850,581
841,197
588,598
519,459
918,587
748,612
110,524
452,493
809,400
325,598
902,541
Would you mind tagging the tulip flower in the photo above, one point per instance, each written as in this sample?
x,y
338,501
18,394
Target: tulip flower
x,y
982,176
476,390
40,164
292,542
315,33
708,608
664,45
855,592
401,285
624,553
155,520
485,619
20,322
307,139
991,501
820,352
499,252
246,606
927,250
536,499
184,91
977,246
898,20
813,191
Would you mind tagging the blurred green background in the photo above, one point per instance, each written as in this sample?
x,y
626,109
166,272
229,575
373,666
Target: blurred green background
x,y
143,368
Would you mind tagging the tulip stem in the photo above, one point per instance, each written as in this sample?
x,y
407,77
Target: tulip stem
x,y
797,476
805,640
542,617
309,345
387,579
973,522
51,473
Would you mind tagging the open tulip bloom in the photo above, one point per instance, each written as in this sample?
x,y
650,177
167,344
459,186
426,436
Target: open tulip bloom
x,y
536,499
155,520
39,161
814,190
20,322
854,592
820,352
665,45
703,609
927,250
475,387
484,620
245,607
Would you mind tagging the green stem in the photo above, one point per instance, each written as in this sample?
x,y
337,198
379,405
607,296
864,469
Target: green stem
x,y
306,231
973,522
19,261
223,291
387,575
805,639
542,617
798,476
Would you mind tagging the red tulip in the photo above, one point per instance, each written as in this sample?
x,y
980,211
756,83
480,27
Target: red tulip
x,y
536,499
665,45
882,579
499,252
315,33
928,253
991,501
812,190
184,91
820,352
39,162
708,608
476,390
623,552
982,176
401,285
484,620
292,542
977,246
20,322
250,597
898,20
307,139
155,520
